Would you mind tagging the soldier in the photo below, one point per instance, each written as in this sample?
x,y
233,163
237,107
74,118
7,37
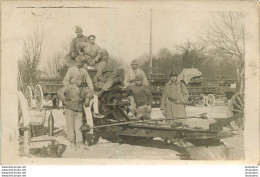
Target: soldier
x,y
174,97
74,96
142,96
79,70
107,74
130,80
90,50
80,38
132,73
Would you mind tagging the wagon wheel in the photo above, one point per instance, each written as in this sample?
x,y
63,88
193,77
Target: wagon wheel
x,y
199,100
237,107
29,96
210,100
237,103
38,96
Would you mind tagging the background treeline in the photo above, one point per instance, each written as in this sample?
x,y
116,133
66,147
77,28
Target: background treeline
x,y
166,61
221,47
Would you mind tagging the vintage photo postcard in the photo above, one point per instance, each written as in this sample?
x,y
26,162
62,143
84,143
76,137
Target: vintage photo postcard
x,y
129,82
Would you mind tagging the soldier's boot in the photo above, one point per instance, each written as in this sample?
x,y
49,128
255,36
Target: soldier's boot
x,y
98,115
100,93
73,144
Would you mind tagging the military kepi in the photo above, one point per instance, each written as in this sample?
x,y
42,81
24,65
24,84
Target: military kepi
x,y
173,73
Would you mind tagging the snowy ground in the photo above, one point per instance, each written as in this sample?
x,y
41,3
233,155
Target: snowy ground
x,y
155,149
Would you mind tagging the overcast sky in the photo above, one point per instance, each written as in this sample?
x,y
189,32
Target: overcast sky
x,y
124,33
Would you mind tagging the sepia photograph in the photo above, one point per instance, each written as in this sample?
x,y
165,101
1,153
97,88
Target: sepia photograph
x,y
159,81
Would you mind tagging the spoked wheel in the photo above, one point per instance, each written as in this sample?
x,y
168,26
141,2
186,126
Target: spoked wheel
x,y
237,107
200,100
210,100
38,97
237,103
29,96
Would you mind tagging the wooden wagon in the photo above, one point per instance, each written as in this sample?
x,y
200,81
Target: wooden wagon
x,y
45,90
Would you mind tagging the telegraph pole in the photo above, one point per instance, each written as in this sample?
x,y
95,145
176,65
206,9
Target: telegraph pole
x,y
150,59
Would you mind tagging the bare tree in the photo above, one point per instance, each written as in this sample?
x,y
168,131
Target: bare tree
x,y
53,66
164,54
226,38
193,53
32,49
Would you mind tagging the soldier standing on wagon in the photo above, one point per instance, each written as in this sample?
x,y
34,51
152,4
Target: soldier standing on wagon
x,y
174,97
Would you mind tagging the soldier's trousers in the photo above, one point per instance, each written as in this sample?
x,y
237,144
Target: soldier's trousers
x,y
144,111
106,85
132,106
74,121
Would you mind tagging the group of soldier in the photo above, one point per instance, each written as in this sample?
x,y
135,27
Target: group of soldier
x,y
81,91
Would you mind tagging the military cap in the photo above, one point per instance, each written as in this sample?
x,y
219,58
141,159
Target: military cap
x,y
134,62
173,73
104,53
91,36
79,58
139,77
78,28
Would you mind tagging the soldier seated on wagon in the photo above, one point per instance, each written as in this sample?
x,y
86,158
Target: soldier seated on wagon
x,y
90,51
80,38
142,97
107,74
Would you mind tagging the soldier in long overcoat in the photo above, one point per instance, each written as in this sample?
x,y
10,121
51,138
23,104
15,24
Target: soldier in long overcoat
x,y
174,97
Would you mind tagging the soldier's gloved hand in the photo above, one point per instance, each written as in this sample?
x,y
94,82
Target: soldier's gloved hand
x,y
163,112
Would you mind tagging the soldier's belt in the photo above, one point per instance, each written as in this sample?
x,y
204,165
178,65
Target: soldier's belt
x,y
172,99
75,100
